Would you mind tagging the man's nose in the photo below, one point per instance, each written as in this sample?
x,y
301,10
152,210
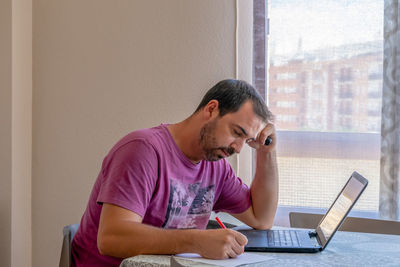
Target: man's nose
x,y
237,145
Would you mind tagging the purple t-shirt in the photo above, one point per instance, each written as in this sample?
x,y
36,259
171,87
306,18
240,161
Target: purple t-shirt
x,y
147,173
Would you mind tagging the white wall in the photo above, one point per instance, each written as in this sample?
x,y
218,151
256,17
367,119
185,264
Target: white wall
x,y
103,69
244,68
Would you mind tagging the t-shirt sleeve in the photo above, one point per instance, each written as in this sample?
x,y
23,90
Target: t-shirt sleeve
x,y
235,195
130,176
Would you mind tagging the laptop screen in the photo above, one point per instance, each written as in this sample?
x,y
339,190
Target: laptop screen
x,y
341,207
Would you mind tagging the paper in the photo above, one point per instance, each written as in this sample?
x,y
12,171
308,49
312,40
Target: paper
x,y
245,258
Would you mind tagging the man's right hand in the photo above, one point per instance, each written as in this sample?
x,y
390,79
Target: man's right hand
x,y
122,234
221,243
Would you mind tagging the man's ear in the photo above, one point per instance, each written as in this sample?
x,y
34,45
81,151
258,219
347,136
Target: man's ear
x,y
211,110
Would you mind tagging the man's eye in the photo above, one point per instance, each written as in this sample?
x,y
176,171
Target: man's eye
x,y
236,132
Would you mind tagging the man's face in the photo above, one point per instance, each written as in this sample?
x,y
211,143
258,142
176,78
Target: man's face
x,y
209,143
223,136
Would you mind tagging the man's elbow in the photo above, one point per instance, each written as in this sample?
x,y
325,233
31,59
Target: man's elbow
x,y
109,246
263,223
263,226
103,245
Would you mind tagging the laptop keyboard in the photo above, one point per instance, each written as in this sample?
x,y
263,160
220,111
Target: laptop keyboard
x,y
282,238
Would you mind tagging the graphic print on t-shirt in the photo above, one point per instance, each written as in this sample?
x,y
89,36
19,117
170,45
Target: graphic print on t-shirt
x,y
189,205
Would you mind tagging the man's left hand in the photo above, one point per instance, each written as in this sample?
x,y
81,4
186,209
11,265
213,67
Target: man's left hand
x,y
258,143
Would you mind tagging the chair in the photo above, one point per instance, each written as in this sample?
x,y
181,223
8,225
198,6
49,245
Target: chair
x,y
350,224
68,235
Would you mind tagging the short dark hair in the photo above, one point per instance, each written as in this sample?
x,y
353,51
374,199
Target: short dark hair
x,y
232,94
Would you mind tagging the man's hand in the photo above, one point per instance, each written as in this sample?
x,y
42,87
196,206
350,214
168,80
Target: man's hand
x,y
122,234
221,244
258,143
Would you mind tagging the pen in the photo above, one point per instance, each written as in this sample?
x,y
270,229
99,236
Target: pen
x,y
220,223
268,141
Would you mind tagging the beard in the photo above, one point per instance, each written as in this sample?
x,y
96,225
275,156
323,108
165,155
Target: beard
x,y
208,142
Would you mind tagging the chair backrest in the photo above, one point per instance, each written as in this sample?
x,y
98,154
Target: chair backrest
x,y
350,224
68,235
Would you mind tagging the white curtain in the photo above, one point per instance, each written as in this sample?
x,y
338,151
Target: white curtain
x,y
389,203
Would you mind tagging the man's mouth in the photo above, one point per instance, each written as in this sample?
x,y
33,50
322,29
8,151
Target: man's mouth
x,y
225,153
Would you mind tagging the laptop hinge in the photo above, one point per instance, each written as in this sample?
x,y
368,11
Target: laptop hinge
x,y
312,234
315,234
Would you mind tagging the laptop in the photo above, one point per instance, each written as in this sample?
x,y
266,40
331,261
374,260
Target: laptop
x,y
303,240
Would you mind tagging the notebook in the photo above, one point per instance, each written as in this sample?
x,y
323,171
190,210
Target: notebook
x,y
303,240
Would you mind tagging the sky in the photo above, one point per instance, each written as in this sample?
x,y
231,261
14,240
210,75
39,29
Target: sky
x,y
322,23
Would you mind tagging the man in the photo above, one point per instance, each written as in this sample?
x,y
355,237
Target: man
x,y
157,187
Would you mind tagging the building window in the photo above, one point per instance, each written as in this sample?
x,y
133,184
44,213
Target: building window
x,y
286,104
286,90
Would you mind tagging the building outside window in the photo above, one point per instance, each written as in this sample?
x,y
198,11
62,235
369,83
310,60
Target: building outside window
x,y
323,81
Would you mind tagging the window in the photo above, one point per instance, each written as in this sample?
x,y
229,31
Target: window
x,y
286,90
375,89
285,76
325,73
286,118
285,104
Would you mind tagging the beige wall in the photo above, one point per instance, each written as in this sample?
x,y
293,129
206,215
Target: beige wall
x,y
21,249
103,69
15,132
100,70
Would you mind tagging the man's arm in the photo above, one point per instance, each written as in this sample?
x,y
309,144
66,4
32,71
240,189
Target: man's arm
x,y
122,234
265,185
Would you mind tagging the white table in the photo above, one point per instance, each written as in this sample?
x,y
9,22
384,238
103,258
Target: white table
x,y
345,249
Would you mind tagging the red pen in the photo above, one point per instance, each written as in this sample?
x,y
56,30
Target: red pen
x,y
220,223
